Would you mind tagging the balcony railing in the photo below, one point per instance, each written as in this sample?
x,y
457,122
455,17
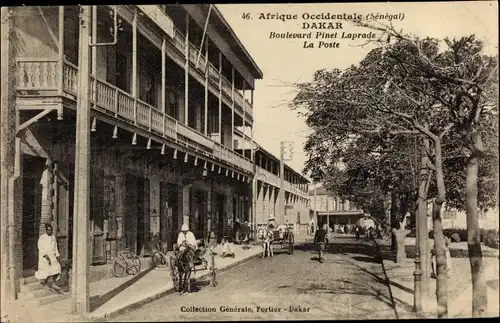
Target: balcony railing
x,y
267,176
272,179
36,76
213,73
195,136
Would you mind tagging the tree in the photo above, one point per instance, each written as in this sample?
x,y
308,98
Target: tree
x,y
412,86
378,96
465,83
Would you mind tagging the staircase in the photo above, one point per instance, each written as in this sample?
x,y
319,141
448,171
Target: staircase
x,y
34,293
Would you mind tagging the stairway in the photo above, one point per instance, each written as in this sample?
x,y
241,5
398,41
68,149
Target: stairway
x,y
33,292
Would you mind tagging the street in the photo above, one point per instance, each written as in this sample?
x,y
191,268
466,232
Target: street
x,y
285,287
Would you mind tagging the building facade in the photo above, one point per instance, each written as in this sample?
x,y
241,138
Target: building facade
x,y
332,210
454,219
166,95
267,190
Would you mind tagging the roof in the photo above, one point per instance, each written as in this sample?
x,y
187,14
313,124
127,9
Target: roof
x,y
236,45
267,152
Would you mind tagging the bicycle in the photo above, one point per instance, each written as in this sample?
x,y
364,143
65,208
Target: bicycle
x,y
159,257
126,263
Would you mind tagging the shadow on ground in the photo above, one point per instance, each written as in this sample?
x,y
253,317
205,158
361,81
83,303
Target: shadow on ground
x,y
99,300
362,252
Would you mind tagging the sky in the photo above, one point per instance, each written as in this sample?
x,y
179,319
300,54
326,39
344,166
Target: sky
x,y
285,61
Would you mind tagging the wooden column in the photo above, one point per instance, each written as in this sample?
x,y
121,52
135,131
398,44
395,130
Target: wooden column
x,y
81,240
61,46
94,57
186,74
232,107
244,122
205,126
163,76
220,97
134,56
251,128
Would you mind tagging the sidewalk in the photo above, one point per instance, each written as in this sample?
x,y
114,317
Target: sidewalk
x,y
459,287
114,295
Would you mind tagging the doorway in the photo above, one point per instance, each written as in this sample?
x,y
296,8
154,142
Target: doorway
x,y
32,170
219,215
169,214
136,221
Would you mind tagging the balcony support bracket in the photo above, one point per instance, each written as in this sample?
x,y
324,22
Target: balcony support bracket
x,y
35,118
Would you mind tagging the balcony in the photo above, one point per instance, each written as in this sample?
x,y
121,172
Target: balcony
x,y
179,42
272,179
267,177
41,77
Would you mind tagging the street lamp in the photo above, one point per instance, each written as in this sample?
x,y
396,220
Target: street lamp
x,y
417,273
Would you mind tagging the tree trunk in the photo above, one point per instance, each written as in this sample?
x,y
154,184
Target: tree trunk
x,y
439,242
479,291
422,226
394,218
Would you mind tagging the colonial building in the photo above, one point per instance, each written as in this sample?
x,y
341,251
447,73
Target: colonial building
x,y
332,210
267,190
166,96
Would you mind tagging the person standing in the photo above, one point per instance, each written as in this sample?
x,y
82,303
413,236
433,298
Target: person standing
x,y
236,230
49,268
320,240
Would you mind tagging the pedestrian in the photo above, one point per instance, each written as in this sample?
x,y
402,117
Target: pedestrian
x,y
236,229
49,268
357,232
312,227
319,240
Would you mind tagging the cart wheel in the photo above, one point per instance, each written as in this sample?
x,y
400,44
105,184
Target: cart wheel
x,y
119,267
159,259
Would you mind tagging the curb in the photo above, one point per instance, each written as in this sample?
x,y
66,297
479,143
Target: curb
x,y
165,292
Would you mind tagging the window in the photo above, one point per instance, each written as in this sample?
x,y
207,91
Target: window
x,y
298,217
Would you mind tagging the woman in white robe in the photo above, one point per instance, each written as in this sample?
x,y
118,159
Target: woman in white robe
x,y
49,269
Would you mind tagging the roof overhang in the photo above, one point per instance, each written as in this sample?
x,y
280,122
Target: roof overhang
x,y
199,13
238,47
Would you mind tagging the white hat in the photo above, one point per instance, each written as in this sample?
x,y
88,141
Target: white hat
x,y
271,218
185,227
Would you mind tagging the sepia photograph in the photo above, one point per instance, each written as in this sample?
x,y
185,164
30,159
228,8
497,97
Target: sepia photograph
x,y
249,162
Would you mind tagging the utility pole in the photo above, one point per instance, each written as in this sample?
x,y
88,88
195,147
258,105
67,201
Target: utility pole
x,y
282,180
286,153
80,284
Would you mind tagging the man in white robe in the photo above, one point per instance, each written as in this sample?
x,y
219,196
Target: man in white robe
x,y
186,236
49,269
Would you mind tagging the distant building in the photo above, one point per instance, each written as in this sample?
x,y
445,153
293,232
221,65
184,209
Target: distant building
x,y
458,219
267,189
332,210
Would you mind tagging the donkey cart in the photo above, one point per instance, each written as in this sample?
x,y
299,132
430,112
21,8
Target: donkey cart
x,y
183,263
